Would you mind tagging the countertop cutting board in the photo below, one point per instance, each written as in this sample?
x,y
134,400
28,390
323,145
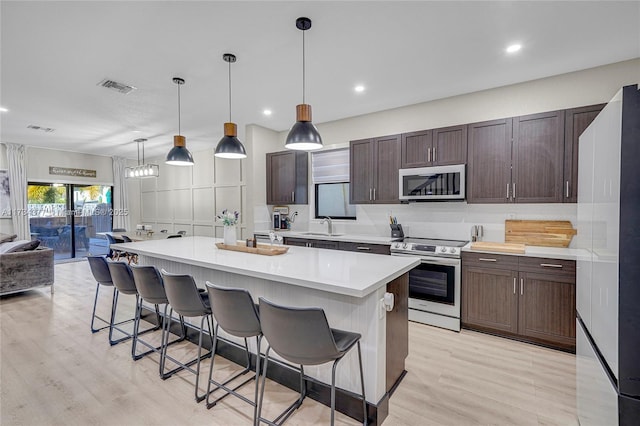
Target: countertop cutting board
x,y
500,247
546,233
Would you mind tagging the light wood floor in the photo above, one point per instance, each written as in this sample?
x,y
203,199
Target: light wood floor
x,y
54,371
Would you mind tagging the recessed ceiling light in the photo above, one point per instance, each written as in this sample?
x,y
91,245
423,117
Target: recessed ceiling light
x,y
359,88
136,131
267,112
3,109
514,48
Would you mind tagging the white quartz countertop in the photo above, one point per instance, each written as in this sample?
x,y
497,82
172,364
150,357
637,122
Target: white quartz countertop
x,y
354,238
347,273
539,251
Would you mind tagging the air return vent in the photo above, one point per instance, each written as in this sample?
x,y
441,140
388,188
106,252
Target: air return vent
x,y
44,129
118,87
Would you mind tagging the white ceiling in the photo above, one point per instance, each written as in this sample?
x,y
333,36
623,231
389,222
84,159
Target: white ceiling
x,y
54,53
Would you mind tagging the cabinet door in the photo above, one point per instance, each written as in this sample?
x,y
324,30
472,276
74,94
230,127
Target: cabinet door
x,y
361,172
387,164
333,245
300,242
281,175
538,158
489,298
416,149
489,162
576,121
547,307
449,146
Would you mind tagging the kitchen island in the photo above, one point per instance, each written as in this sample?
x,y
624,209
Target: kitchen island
x,y
349,286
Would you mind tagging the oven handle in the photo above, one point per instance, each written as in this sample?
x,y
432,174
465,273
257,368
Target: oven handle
x,y
432,260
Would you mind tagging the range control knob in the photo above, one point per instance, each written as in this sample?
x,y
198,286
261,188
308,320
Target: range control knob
x,y
452,250
443,249
404,245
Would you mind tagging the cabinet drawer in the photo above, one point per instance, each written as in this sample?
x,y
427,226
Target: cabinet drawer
x,y
364,247
546,265
490,260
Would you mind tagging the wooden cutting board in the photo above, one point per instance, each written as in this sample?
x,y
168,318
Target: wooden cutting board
x,y
499,247
547,233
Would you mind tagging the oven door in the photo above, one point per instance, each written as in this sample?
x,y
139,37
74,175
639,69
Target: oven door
x,y
434,280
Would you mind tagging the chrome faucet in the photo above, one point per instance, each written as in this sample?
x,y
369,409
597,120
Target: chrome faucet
x,y
329,224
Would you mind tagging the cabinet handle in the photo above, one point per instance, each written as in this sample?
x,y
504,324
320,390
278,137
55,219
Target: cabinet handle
x,y
514,285
429,154
550,265
514,191
374,194
567,189
521,286
363,248
370,198
293,196
484,259
434,154
507,191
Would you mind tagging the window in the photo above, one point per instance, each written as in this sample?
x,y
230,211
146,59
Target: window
x,y
330,175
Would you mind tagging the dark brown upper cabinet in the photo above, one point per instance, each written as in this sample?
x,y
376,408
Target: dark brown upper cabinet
x,y
576,122
437,147
538,158
287,177
517,159
489,161
374,170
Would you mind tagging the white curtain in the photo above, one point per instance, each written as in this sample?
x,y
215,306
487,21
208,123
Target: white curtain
x,y
16,154
120,197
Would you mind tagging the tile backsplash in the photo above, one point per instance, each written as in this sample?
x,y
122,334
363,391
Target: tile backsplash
x,y
438,219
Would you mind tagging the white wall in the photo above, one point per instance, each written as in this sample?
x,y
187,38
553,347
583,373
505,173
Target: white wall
x,y
453,220
188,198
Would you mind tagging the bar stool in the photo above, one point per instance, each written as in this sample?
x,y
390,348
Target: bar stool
x,y
174,236
235,312
186,300
150,287
114,254
122,278
100,271
302,336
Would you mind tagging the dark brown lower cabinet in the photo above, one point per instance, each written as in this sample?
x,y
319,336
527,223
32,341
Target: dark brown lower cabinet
x,y
528,298
303,242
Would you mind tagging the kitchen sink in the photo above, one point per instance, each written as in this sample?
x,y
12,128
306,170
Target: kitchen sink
x,y
321,233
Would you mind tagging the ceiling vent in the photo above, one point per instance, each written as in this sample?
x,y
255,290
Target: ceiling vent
x,y
44,129
118,87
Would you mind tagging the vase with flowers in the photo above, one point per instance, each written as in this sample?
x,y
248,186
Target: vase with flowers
x,y
229,220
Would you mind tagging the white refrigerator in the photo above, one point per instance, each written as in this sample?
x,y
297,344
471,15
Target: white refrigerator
x,y
608,276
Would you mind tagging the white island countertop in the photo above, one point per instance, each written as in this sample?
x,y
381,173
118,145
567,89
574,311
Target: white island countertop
x,y
341,272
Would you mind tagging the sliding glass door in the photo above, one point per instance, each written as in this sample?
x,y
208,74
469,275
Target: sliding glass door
x,y
70,218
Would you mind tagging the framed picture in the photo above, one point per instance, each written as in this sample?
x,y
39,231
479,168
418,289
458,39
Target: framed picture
x,y
5,194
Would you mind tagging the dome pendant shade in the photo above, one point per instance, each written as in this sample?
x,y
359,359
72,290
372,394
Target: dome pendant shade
x,y
230,146
179,154
303,135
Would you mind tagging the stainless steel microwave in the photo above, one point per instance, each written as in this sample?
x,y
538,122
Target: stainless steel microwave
x,y
438,183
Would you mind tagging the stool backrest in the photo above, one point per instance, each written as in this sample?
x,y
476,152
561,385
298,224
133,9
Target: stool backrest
x,y
299,335
149,283
234,310
174,236
122,277
183,295
113,240
100,269
126,239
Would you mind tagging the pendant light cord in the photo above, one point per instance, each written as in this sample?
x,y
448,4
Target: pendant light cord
x,y
229,91
139,154
179,132
303,69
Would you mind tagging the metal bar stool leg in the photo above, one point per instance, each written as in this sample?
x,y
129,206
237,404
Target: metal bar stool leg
x,y
365,417
94,316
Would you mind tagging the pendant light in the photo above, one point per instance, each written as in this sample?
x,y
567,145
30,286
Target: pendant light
x,y
179,154
229,146
142,170
303,135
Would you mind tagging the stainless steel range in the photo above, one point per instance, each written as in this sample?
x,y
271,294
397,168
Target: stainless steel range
x,y
434,285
